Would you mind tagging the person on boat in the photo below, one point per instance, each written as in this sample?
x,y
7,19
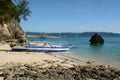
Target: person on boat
x,y
47,45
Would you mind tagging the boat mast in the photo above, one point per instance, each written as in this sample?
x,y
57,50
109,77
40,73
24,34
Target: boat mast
x,y
60,39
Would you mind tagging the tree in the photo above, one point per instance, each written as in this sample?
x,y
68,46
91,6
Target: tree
x,y
7,9
10,10
23,9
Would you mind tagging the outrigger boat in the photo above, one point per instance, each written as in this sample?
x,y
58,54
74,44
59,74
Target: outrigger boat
x,y
45,45
45,49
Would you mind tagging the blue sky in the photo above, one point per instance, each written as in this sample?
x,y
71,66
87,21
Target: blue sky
x,y
73,16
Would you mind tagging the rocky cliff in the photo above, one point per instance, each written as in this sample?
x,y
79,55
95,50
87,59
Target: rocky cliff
x,y
11,30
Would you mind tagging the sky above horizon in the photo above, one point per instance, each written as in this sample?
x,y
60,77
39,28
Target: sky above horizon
x,y
73,16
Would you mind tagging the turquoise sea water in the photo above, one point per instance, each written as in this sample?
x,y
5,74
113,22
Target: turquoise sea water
x,y
108,53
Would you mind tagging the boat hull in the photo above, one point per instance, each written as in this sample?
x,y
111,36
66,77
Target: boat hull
x,y
40,49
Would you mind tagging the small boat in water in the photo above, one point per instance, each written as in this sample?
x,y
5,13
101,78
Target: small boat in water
x,y
45,49
47,45
41,47
37,47
44,45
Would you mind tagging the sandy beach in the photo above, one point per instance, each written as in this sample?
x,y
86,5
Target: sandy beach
x,y
9,60
8,56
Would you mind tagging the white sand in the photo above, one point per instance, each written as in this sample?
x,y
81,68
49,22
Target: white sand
x,y
23,57
26,57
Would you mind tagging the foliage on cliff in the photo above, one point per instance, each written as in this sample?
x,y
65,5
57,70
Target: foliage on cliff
x,y
11,12
17,9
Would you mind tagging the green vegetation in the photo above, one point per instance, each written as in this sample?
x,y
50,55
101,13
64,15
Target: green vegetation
x,y
18,9
23,9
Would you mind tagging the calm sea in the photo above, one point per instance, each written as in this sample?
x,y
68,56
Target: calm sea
x,y
108,53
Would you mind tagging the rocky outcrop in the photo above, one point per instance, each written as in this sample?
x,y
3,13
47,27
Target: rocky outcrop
x,y
11,30
58,72
96,39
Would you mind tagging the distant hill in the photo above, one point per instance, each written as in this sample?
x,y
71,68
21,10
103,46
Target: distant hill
x,y
71,34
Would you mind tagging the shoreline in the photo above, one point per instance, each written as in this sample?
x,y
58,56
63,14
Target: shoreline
x,y
6,55
81,60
